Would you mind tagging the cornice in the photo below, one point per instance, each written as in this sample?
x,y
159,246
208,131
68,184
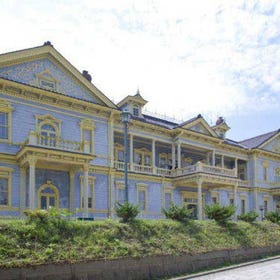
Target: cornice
x,y
54,99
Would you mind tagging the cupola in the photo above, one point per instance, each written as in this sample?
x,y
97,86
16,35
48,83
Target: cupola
x,y
221,127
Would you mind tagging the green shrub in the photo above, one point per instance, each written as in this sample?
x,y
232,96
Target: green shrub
x,y
221,214
249,217
127,211
181,214
273,217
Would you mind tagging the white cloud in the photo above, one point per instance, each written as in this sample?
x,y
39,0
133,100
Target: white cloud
x,y
188,57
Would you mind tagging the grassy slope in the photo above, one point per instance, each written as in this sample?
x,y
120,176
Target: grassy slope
x,y
22,243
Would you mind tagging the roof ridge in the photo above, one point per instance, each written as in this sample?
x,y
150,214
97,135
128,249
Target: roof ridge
x,y
257,136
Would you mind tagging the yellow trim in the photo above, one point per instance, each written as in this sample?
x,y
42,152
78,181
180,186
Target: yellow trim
x,y
91,183
55,195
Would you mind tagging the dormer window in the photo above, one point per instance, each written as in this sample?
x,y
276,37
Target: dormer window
x,y
135,110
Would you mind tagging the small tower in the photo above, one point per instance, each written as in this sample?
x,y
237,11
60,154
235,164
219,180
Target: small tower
x,y
221,127
133,104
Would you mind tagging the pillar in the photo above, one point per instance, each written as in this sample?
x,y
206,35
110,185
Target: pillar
x,y
213,158
22,189
131,151
32,180
85,192
173,156
179,154
236,166
111,193
154,156
235,200
223,161
71,190
199,199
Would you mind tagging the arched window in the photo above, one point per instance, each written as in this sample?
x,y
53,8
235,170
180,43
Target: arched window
x,y
48,196
136,110
48,135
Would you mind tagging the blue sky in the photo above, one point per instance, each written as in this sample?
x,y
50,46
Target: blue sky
x,y
217,58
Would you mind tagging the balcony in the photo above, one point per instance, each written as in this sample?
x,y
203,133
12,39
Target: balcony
x,y
57,143
191,169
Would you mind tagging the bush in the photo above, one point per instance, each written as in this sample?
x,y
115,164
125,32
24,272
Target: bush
x,y
249,217
181,214
127,211
273,217
221,214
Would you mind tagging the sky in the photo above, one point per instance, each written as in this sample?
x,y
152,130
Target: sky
x,y
187,57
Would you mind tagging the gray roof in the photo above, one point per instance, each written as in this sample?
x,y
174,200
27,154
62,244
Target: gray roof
x,y
258,140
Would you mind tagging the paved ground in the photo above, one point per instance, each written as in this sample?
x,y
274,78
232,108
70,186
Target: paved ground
x,y
269,270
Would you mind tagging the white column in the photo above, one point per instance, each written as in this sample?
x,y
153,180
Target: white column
x,y
111,201
111,142
173,156
131,152
22,189
85,191
71,190
236,166
223,161
32,180
235,200
199,199
154,156
213,158
179,154
256,200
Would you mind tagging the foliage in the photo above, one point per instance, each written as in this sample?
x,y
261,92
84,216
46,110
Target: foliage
x,y
273,217
127,211
25,243
221,214
249,217
181,214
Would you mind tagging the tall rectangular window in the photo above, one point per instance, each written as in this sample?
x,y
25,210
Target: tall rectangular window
x,y
90,192
243,206
264,173
4,191
142,197
4,126
265,206
87,136
167,200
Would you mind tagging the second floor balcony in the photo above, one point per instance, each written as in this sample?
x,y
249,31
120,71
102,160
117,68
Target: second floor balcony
x,y
188,170
57,143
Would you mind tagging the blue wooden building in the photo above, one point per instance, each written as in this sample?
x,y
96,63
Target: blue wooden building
x,y
61,145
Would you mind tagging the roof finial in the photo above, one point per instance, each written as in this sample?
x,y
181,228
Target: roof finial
x,y
137,92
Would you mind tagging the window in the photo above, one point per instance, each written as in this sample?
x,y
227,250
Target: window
x,y
167,199
231,201
119,152
277,175
142,157
5,186
48,135
5,121
135,111
265,167
48,196
243,206
87,135
4,126
48,84
265,206
4,191
142,197
90,192
120,193
46,80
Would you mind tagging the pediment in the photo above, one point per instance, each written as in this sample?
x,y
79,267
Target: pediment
x,y
46,68
272,144
201,126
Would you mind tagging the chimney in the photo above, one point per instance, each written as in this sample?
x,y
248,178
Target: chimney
x,y
48,43
87,75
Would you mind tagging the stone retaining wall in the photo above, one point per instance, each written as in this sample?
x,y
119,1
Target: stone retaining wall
x,y
144,268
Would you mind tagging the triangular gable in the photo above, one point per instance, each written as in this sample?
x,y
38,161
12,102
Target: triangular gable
x,y
201,126
45,67
272,144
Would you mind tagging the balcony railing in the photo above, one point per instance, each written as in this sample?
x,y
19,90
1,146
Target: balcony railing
x,y
57,143
198,167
